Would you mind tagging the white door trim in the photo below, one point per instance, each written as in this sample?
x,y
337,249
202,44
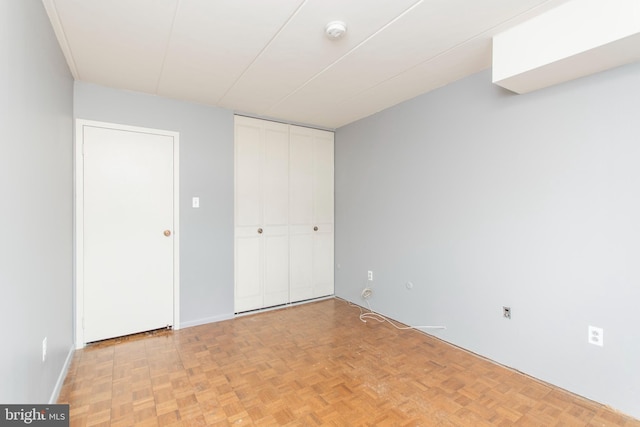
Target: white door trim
x,y
79,220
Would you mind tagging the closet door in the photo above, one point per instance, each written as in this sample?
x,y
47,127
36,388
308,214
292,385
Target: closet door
x,y
261,214
275,214
311,213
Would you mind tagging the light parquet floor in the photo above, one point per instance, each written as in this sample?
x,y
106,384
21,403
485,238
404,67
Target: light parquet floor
x,y
308,365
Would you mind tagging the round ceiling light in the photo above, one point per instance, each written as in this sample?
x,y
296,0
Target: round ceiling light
x,y
335,29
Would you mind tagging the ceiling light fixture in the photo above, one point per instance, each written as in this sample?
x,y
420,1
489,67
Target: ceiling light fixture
x,y
335,29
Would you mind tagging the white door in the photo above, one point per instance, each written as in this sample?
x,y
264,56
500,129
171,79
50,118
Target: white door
x,y
249,286
323,213
128,231
275,184
261,214
301,213
311,215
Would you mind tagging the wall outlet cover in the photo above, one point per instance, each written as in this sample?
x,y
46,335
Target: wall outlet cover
x,y
596,336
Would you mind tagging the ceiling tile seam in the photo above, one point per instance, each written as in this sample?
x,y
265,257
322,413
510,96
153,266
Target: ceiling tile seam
x,y
166,47
58,29
352,50
444,52
262,51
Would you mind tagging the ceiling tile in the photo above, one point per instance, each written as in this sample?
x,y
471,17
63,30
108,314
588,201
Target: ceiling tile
x,y
430,30
272,59
213,42
301,50
430,75
118,43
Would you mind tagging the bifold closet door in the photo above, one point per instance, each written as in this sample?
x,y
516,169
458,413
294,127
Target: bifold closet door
x,y
311,205
261,214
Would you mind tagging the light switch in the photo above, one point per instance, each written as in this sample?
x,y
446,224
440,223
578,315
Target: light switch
x,y
196,202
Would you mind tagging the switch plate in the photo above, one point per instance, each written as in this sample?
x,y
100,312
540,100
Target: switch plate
x,y
506,312
370,276
596,336
195,202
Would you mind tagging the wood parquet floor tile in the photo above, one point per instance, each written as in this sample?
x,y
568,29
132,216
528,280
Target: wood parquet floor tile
x,y
314,364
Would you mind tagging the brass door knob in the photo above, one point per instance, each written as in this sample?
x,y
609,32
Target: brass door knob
x,y
259,230
167,233
315,228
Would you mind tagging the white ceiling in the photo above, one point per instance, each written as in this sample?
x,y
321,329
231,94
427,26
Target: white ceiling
x,y
270,58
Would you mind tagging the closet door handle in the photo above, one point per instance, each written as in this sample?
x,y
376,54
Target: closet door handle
x,y
259,230
315,228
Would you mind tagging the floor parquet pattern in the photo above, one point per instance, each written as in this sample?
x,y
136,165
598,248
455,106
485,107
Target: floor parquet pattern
x,y
308,365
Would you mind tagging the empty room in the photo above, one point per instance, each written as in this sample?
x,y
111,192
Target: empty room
x,y
311,212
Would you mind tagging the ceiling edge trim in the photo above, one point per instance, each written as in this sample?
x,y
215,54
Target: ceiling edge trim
x,y
52,12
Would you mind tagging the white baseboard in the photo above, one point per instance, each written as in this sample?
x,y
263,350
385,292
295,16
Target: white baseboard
x,y
206,320
281,306
63,374
246,313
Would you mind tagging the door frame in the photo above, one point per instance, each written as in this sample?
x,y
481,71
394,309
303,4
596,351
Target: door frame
x,y
79,219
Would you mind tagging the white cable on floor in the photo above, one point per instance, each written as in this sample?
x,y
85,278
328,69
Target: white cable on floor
x,y
372,315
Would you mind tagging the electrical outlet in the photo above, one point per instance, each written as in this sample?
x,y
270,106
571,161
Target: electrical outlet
x,y
195,202
370,276
596,336
44,349
506,312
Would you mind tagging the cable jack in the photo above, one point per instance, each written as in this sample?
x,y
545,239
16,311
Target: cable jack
x,y
366,293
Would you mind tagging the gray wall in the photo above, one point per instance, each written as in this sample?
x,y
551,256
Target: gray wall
x,y
36,259
206,171
483,198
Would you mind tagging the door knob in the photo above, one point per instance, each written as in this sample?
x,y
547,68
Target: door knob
x,y
167,233
259,230
315,228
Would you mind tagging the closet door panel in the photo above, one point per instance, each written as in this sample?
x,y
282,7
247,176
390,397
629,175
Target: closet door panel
x,y
301,213
276,266
284,213
301,259
248,273
248,168
275,179
311,213
248,266
323,178
323,262
275,218
301,177
323,212
261,213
